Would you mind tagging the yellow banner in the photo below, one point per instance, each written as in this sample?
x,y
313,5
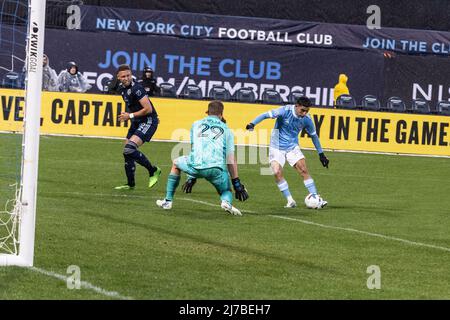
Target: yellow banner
x,y
96,115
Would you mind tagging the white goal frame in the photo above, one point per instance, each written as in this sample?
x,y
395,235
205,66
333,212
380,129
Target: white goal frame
x,y
30,140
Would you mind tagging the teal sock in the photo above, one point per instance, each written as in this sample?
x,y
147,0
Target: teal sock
x,y
227,195
172,183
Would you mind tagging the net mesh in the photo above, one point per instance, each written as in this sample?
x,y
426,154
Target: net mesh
x,y
9,224
13,25
13,21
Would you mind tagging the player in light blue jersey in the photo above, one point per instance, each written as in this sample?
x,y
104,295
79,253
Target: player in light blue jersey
x,y
212,157
291,120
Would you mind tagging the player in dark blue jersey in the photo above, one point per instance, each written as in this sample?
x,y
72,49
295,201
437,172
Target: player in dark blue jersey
x,y
144,122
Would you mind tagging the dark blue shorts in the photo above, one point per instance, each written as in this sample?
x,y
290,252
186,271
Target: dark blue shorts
x,y
144,130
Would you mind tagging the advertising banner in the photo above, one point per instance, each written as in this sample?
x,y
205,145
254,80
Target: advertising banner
x,y
96,115
233,65
188,49
264,31
411,77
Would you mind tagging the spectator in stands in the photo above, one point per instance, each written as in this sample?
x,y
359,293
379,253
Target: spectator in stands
x,y
49,76
71,80
341,87
148,82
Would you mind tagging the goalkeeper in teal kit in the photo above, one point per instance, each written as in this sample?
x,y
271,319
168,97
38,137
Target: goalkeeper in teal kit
x,y
212,157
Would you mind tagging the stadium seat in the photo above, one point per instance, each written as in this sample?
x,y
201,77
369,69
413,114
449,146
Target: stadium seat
x,y
443,107
168,90
420,106
346,101
271,96
219,93
11,80
370,102
294,95
245,95
395,104
192,91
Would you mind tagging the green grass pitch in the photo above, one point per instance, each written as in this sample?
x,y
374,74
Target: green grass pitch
x,y
389,211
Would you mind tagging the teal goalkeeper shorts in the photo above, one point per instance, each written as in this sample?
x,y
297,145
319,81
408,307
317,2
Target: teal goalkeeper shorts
x,y
216,176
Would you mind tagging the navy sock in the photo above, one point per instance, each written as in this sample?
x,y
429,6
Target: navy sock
x,y
133,153
130,168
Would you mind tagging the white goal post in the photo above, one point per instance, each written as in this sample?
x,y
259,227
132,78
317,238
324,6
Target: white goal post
x,y
25,207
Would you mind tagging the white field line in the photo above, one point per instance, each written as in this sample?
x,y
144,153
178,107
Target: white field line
x,y
139,196
371,234
84,284
414,243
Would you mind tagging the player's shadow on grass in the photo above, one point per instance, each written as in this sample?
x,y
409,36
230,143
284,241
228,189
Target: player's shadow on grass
x,y
221,245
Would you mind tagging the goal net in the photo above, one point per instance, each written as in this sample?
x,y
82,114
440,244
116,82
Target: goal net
x,y
22,24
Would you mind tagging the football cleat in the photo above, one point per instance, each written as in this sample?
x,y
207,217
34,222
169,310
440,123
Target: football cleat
x,y
230,209
154,178
291,204
322,204
124,187
165,204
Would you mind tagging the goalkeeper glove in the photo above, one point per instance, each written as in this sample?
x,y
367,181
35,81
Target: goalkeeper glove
x,y
324,160
250,126
187,186
239,189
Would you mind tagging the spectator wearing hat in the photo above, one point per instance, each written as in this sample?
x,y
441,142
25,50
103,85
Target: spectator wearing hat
x,y
49,76
341,87
71,80
148,82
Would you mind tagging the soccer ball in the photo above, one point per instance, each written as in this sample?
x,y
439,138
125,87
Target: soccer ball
x,y
312,201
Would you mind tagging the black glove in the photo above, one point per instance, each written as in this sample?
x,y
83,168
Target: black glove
x,y
187,186
324,160
250,126
239,189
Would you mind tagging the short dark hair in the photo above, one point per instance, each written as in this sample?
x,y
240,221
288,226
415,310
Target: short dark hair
x,y
304,101
123,67
215,108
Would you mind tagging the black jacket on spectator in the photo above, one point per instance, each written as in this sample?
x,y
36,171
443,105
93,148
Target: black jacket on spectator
x,y
150,86
149,83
